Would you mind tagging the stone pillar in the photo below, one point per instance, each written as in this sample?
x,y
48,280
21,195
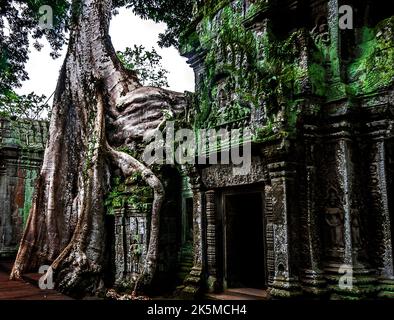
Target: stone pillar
x,y
282,176
269,230
196,61
211,241
344,215
120,259
193,281
337,88
4,204
312,280
380,213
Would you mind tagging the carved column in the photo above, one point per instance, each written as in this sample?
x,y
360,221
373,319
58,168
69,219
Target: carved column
x,y
344,216
194,280
337,88
312,280
379,210
196,62
211,240
3,202
283,197
121,265
270,249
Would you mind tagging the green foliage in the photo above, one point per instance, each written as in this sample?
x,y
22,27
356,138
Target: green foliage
x,y
258,71
373,69
175,13
19,20
146,64
252,71
132,192
129,151
28,106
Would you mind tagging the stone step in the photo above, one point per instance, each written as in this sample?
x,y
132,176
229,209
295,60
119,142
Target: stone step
x,y
239,294
189,261
182,275
186,261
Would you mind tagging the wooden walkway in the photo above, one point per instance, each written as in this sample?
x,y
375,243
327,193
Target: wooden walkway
x,y
239,294
26,289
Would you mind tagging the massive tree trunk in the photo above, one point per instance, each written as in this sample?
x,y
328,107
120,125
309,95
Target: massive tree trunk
x,y
98,107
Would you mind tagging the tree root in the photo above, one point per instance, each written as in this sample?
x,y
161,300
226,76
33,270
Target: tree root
x,y
129,165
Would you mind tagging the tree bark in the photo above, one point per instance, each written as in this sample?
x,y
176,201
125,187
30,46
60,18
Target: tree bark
x,y
98,106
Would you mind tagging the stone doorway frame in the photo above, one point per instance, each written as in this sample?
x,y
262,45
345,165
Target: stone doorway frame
x,y
222,224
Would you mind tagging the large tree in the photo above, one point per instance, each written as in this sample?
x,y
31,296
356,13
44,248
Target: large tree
x,y
99,107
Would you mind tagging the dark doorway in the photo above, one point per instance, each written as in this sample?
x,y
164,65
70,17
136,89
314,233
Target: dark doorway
x,y
244,240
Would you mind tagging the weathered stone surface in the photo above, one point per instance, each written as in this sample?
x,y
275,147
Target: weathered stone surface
x,y
318,101
21,150
131,245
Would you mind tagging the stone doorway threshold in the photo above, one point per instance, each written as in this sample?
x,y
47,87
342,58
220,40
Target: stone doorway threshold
x,y
239,294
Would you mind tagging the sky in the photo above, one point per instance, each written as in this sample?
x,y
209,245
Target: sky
x,y
126,30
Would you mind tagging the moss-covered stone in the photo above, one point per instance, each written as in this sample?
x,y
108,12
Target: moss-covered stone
x,y
248,71
248,68
132,192
373,68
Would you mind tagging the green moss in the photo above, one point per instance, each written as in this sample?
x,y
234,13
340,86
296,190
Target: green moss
x,y
31,176
92,145
256,71
317,74
188,41
373,69
255,8
132,192
128,151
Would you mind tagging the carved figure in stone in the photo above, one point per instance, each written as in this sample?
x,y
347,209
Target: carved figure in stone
x,y
356,226
229,54
222,99
135,254
320,32
334,219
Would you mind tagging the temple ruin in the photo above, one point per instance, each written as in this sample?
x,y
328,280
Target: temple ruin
x,y
22,144
317,204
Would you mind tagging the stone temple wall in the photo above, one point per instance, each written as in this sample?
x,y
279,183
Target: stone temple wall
x,y
319,102
22,144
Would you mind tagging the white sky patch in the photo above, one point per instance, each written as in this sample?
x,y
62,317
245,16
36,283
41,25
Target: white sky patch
x,y
6,27
126,30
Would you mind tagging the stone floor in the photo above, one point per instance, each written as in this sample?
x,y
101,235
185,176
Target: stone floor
x,y
26,289
239,294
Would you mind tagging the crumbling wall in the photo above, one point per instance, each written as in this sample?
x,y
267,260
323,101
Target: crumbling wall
x,y
22,144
